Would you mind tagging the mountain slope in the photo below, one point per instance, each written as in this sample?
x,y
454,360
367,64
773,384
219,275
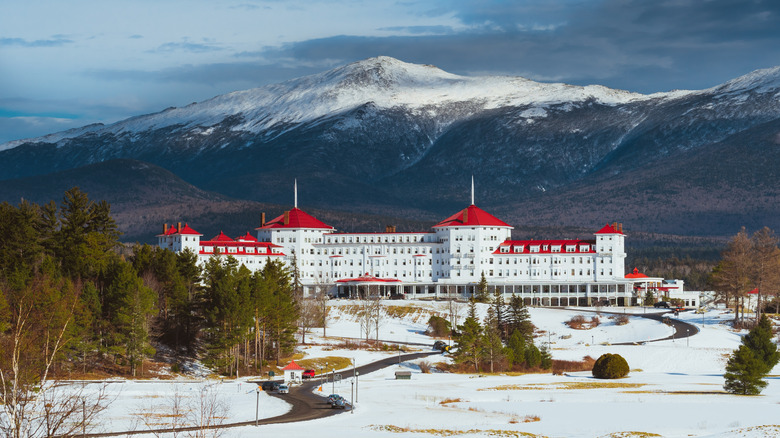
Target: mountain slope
x,y
385,136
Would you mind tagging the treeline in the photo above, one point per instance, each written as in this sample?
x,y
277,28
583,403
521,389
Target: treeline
x,y
65,288
750,265
693,265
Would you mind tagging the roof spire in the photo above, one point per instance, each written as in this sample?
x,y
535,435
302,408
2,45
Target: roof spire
x,y
295,189
472,189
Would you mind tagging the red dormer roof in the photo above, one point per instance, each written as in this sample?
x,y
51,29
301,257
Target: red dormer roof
x,y
292,366
222,237
608,229
296,218
472,216
247,238
636,274
546,247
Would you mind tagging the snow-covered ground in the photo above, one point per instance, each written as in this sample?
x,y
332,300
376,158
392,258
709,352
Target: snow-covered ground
x,y
673,390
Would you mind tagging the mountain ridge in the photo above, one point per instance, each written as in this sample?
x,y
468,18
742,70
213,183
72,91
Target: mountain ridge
x,y
383,136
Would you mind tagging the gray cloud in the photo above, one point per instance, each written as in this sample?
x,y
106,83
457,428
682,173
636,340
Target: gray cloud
x,y
186,46
54,41
435,30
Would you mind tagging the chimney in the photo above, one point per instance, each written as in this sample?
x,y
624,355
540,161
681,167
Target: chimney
x,y
614,226
178,230
465,216
287,217
620,227
390,229
165,228
262,219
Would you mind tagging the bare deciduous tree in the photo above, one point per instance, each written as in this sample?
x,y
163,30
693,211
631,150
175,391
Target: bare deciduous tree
x,y
32,405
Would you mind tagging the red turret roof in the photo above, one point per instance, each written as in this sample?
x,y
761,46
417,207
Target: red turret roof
x,y
608,229
472,216
247,238
297,219
222,237
636,274
293,367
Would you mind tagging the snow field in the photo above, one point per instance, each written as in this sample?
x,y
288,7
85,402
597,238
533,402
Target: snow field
x,y
674,388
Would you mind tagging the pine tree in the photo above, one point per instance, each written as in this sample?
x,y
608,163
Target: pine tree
x,y
518,319
470,341
743,373
516,345
545,361
482,290
759,341
533,357
499,310
492,346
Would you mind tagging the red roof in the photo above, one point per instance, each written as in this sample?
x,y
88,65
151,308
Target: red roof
x,y
297,219
368,279
636,274
247,238
608,229
472,216
184,230
545,246
292,366
222,237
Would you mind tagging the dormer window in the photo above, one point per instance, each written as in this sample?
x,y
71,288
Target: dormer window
x,y
535,248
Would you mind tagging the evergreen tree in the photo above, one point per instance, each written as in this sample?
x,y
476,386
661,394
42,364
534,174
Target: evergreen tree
x,y
759,341
499,310
482,290
519,320
470,340
545,361
516,345
744,373
492,346
533,357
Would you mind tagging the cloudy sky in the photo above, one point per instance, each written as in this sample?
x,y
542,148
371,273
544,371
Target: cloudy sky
x,y
66,64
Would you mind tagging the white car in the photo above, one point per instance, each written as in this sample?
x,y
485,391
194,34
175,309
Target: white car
x,y
284,389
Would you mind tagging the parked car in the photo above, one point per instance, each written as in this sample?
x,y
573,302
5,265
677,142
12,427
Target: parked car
x,y
308,374
333,397
269,386
662,305
441,346
339,403
284,389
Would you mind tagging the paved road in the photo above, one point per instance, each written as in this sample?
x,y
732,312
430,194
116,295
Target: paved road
x,y
306,405
682,329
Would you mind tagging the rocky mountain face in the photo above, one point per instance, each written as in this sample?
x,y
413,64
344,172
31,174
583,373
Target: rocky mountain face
x,y
387,137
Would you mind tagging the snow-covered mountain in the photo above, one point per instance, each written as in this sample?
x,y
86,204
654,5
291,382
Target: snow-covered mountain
x,y
385,132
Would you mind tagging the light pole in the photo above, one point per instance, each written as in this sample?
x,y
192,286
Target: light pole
x,y
357,384
351,398
687,337
333,380
399,355
257,406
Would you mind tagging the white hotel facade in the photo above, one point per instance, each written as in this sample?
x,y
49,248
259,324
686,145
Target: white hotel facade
x,y
447,262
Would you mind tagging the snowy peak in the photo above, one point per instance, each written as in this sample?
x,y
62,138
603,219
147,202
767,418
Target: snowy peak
x,y
759,81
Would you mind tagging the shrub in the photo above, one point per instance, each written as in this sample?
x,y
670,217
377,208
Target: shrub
x,y
425,367
567,366
579,322
621,320
438,326
610,366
